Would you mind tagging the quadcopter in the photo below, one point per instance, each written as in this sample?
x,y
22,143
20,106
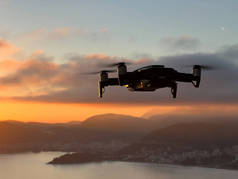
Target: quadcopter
x,y
148,78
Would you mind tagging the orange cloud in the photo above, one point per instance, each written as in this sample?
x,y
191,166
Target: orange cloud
x,y
34,76
10,65
100,56
97,56
7,50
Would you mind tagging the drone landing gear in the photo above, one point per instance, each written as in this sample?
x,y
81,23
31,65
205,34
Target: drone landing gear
x,y
101,89
174,90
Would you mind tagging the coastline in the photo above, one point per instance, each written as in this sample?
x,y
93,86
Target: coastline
x,y
157,163
68,159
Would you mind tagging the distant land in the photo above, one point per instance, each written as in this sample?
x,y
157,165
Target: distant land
x,y
193,144
113,137
102,132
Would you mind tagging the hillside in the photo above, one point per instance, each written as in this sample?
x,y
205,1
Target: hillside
x,y
198,144
198,133
118,122
187,135
99,132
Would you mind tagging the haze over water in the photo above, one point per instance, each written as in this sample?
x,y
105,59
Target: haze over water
x,y
33,165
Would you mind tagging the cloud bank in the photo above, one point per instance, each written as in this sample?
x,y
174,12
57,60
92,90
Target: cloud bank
x,y
40,78
7,49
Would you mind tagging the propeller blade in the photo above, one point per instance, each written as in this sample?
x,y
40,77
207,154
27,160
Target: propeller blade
x,y
98,72
205,67
208,67
89,73
108,65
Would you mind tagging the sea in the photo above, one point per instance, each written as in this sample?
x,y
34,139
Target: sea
x,y
34,166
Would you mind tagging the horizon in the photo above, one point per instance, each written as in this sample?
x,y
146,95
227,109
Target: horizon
x,y
186,111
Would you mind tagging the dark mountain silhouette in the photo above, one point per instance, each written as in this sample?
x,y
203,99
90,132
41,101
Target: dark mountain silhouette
x,y
162,121
118,122
102,131
197,133
111,132
74,123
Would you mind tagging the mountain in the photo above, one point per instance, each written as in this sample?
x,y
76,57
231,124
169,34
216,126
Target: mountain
x,y
103,132
118,122
171,119
74,123
196,133
113,132
188,135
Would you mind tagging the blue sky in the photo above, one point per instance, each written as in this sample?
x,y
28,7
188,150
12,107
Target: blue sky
x,y
121,28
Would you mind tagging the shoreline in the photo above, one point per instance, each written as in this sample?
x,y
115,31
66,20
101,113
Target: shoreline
x,y
70,159
146,162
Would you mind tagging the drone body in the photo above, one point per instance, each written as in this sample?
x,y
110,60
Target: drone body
x,y
148,78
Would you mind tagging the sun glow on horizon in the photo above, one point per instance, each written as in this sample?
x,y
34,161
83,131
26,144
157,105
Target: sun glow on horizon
x,y
62,112
65,112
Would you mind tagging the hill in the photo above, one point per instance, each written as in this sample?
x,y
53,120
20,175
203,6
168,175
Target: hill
x,y
188,135
102,132
118,122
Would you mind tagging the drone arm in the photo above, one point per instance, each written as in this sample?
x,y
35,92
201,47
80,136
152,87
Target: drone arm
x,y
112,82
186,77
103,84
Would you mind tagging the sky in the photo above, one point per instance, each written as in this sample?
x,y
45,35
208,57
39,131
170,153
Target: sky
x,y
45,46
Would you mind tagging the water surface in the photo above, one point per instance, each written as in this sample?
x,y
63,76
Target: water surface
x,y
33,166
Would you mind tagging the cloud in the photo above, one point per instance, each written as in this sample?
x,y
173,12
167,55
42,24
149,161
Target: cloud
x,y
3,44
7,66
33,76
180,43
40,78
7,50
40,74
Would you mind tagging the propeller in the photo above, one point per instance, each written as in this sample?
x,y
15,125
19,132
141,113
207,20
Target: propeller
x,y
114,64
98,72
206,67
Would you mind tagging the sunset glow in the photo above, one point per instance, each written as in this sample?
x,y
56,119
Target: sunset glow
x,y
53,112
60,112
